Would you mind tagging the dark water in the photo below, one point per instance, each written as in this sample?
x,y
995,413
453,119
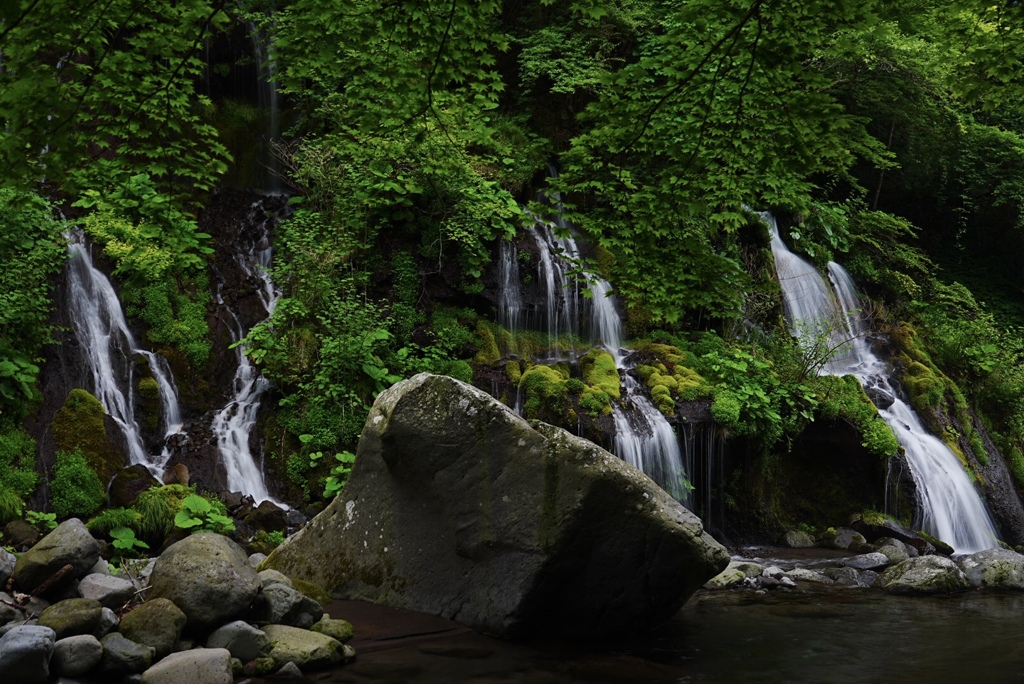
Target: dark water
x,y
838,636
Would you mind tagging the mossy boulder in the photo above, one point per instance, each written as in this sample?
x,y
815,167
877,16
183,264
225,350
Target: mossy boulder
x,y
128,483
341,630
530,528
923,386
68,544
157,623
80,424
308,650
72,617
598,370
925,575
994,568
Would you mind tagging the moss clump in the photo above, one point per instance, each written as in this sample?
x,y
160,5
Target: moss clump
x,y
544,392
487,345
313,591
594,402
924,387
599,371
845,398
726,410
76,490
79,425
149,402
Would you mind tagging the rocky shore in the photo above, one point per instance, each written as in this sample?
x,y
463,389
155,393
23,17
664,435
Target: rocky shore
x,y
198,613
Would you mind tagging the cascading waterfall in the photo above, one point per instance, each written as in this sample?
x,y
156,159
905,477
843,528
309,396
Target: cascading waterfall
x,y
108,346
643,436
949,507
233,424
510,304
703,451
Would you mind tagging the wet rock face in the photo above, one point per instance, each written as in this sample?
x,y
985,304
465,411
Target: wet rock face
x,y
458,507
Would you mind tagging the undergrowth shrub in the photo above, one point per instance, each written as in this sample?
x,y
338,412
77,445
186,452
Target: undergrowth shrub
x,y
76,490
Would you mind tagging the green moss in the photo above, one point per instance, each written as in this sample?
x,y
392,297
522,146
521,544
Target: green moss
x,y
75,489
149,403
487,345
313,591
149,389
690,385
599,371
112,518
924,388
543,388
595,402
726,410
844,398
79,425
156,508
514,372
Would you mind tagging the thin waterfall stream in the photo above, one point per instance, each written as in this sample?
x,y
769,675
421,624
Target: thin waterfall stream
x,y
949,507
108,347
232,426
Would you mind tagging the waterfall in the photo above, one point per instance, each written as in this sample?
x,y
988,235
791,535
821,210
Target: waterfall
x,y
269,105
233,424
643,436
109,347
510,296
949,506
704,460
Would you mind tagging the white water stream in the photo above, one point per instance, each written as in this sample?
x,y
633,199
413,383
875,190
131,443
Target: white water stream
x,y
950,508
233,424
109,347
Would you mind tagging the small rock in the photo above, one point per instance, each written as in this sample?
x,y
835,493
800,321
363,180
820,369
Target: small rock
x,y
123,656
844,539
71,617
108,621
111,592
257,558
25,654
68,544
924,575
102,567
198,666
805,575
241,639
128,483
748,568
867,561
797,539
20,535
845,577
769,582
295,518
995,568
259,667
895,554
341,630
306,649
7,562
868,579
8,613
787,582
76,655
289,671
730,577
281,604
773,571
157,623
269,577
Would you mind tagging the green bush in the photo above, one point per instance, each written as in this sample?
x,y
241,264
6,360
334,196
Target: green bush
x,y
17,461
76,490
11,506
113,518
156,508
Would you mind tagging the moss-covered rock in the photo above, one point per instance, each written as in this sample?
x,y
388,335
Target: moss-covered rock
x,y
924,575
157,623
598,370
72,616
487,344
923,386
79,424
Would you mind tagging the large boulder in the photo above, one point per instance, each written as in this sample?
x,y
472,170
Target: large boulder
x,y
25,654
68,544
208,577
157,623
72,616
925,575
309,650
458,507
994,568
197,666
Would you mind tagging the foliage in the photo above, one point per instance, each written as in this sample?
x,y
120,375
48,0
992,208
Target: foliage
x,y
112,518
75,489
44,522
198,514
31,253
93,93
339,474
17,460
11,505
175,315
157,508
125,542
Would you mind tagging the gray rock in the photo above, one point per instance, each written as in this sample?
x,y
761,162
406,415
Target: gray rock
x,y
895,554
995,568
773,571
241,639
68,544
924,575
257,558
112,592
289,671
458,507
844,577
198,666
108,621
309,650
845,539
281,604
7,563
25,654
748,568
122,656
8,611
157,623
208,577
728,578
868,579
787,582
805,575
269,577
76,655
101,567
867,561
71,617
797,539
341,630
